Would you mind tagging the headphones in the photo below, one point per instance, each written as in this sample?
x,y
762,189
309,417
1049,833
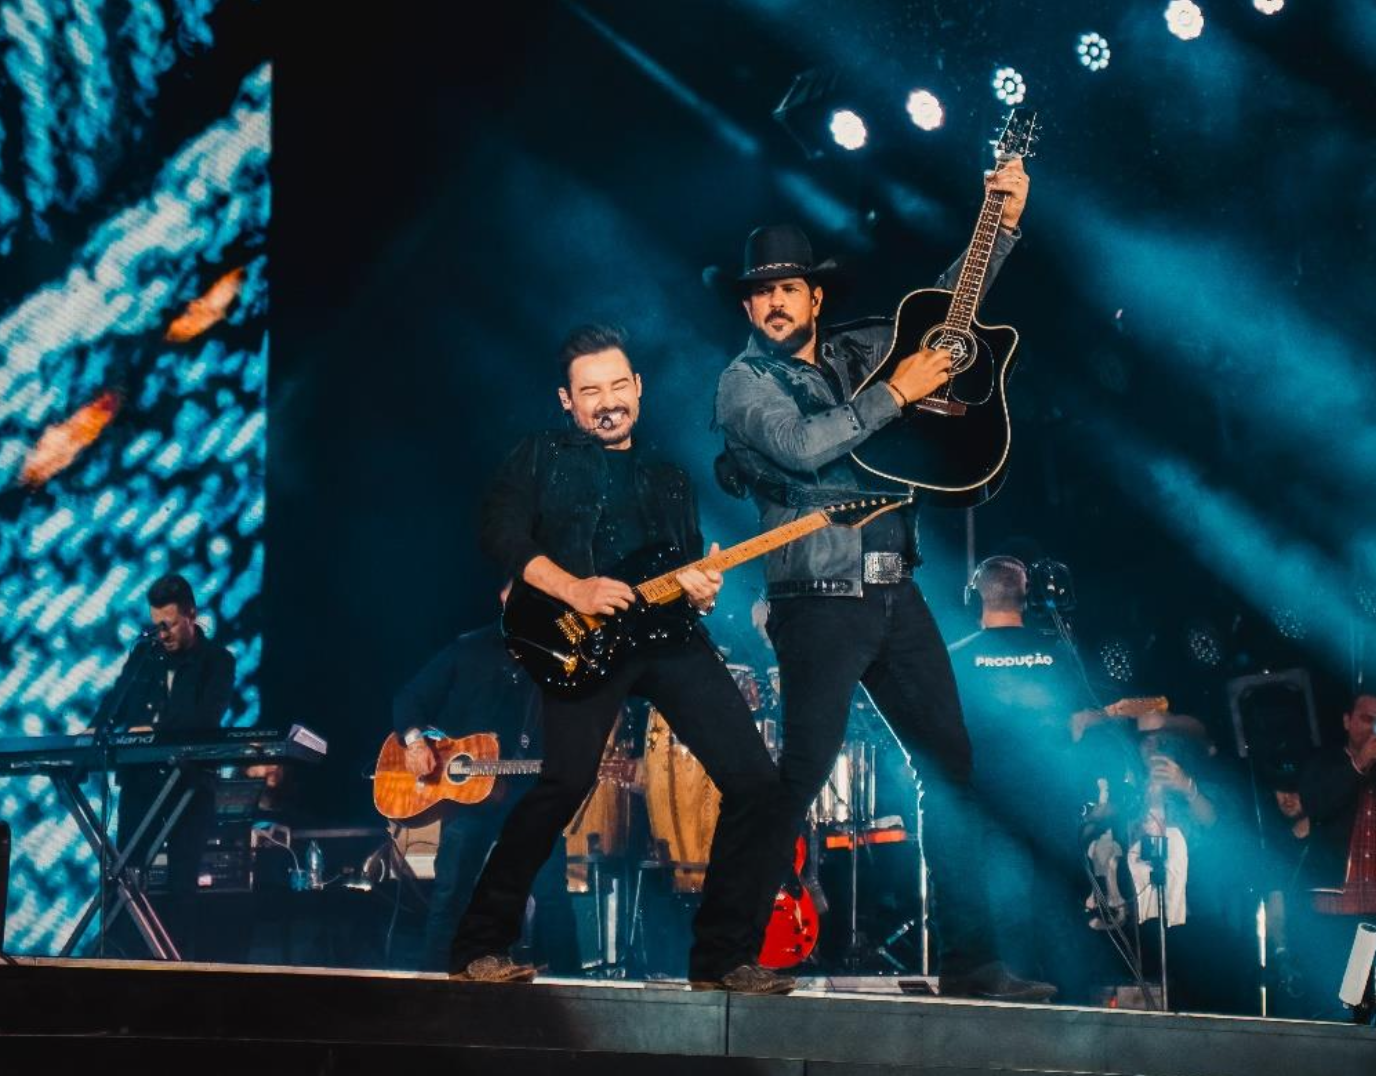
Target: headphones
x,y
1000,561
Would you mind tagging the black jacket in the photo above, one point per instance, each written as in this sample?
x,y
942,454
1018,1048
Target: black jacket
x,y
202,685
546,499
473,685
1329,790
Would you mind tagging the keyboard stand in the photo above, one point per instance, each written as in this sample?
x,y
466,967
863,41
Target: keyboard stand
x,y
121,877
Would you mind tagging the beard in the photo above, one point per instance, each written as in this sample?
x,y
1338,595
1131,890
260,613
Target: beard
x,y
790,345
616,435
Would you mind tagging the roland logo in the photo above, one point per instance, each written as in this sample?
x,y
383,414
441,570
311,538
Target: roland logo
x,y
131,739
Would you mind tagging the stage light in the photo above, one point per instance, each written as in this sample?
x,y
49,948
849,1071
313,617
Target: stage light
x,y
1204,645
925,110
1268,7
807,108
848,129
1093,51
1116,656
1289,622
1185,19
1009,87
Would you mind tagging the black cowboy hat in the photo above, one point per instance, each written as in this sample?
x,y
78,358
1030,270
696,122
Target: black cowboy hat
x,y
772,252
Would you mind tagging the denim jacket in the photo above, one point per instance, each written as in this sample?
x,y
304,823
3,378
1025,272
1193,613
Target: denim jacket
x,y
547,498
787,427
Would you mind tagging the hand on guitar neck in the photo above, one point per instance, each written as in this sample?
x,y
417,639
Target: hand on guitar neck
x,y
1009,179
919,375
701,585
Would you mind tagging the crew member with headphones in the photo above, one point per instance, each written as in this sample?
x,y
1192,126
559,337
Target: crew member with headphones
x,y
1019,688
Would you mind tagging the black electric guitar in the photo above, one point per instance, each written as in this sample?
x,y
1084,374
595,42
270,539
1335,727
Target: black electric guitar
x,y
571,653
954,443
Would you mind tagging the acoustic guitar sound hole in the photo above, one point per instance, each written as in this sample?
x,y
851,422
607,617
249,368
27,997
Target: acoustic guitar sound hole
x,y
961,345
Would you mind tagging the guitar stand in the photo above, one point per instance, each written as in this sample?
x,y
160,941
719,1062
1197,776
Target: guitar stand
x,y
126,879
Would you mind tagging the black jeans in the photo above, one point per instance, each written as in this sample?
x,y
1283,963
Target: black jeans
x,y
888,641
465,839
690,686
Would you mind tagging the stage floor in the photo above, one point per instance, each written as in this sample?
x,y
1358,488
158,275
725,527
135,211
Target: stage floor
x,y
259,1019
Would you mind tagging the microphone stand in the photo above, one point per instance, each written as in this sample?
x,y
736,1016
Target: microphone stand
x,y
105,725
1155,851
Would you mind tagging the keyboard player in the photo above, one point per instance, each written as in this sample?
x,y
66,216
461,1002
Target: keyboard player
x,y
174,678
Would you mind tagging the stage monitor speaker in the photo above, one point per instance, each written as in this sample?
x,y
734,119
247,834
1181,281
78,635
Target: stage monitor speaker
x,y
1274,722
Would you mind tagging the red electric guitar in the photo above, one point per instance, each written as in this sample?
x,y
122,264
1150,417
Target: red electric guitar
x,y
791,934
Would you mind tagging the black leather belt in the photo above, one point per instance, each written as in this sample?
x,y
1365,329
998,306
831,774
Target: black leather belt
x,y
878,568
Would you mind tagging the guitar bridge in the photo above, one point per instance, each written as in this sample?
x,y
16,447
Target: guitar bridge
x,y
940,407
573,631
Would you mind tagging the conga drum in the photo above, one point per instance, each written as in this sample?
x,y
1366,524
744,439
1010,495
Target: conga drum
x,y
602,824
682,803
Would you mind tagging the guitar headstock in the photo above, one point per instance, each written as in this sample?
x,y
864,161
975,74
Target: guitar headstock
x,y
1138,707
1019,135
860,511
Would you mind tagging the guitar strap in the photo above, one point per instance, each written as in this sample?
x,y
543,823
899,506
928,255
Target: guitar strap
x,y
740,481
526,746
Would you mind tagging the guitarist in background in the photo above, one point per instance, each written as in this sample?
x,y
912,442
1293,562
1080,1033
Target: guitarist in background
x,y
565,507
844,608
470,686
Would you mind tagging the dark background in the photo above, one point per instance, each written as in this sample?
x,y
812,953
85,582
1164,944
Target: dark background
x,y
453,191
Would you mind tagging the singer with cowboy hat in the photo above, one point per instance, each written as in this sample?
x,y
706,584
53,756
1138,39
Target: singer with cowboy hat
x,y
844,609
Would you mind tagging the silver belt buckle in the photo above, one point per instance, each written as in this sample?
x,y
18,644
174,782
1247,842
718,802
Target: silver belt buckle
x,y
886,568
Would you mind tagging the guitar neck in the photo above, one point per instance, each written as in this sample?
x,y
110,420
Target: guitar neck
x,y
664,588
501,767
976,267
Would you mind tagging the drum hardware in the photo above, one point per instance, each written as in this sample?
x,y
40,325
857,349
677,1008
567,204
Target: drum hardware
x,y
606,897
843,818
923,920
749,686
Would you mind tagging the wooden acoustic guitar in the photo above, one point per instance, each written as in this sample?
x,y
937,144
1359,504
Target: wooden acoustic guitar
x,y
468,769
